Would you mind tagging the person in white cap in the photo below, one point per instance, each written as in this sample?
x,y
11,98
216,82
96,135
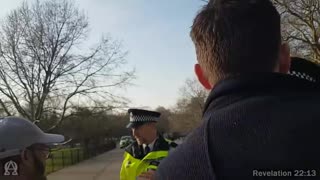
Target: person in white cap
x,y
24,148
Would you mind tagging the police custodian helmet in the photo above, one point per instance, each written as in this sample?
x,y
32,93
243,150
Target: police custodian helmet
x,y
139,117
305,69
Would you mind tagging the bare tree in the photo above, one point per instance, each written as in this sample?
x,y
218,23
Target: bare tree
x,y
45,65
163,123
189,107
194,90
301,26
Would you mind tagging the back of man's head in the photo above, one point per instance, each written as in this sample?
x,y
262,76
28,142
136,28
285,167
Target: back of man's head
x,y
236,36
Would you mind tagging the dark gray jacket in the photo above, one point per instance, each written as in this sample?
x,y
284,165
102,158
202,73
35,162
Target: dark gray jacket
x,y
252,122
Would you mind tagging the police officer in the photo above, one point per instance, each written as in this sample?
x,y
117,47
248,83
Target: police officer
x,y
305,69
24,148
142,157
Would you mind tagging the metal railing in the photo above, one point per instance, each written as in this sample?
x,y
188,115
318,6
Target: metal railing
x,y
62,158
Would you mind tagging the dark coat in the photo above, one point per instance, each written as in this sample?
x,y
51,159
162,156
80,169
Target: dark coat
x,y
252,122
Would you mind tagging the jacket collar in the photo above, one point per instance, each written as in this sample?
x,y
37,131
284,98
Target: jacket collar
x,y
259,83
137,151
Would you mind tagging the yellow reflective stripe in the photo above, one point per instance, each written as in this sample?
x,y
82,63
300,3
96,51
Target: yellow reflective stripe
x,y
132,167
152,156
156,155
152,167
129,167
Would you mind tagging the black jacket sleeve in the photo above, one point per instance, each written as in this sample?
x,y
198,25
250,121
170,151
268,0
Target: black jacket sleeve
x,y
189,160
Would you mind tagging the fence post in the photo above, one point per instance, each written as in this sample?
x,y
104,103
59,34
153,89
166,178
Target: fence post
x,y
71,151
87,153
62,154
52,163
78,155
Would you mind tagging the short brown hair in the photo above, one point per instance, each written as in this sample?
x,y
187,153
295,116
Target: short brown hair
x,y
236,36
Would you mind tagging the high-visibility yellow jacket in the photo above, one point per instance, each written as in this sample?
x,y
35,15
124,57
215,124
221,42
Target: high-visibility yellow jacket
x,y
135,162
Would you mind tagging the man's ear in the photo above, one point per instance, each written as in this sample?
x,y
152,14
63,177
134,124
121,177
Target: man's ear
x,y
284,59
26,157
202,79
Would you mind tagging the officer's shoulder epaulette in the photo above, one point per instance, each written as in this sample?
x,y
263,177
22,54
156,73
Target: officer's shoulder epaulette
x,y
129,147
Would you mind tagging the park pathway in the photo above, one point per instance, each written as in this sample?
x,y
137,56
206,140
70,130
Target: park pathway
x,y
103,167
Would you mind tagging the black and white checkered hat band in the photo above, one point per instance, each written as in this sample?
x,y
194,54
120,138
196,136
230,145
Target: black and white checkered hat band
x,y
303,76
142,118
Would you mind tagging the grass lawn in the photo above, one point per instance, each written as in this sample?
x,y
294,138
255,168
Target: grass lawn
x,y
63,158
